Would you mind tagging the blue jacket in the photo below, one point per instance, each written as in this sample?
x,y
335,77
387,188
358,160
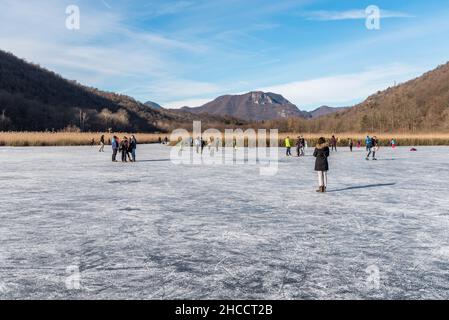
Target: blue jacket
x,y
115,145
369,142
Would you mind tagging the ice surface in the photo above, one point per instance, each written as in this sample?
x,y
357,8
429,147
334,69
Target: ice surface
x,y
153,230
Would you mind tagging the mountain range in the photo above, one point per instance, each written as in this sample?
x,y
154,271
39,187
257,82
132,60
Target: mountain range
x,y
35,99
153,105
258,106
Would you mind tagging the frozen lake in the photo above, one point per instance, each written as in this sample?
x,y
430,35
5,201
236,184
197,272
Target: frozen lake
x,y
153,230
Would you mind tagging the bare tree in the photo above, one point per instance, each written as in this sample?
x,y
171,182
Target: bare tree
x,y
4,120
83,117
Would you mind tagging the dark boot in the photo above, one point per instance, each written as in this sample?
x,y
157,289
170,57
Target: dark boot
x,y
320,190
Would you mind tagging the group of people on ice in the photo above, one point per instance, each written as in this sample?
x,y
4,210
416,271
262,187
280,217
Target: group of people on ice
x,y
127,148
301,146
322,153
199,143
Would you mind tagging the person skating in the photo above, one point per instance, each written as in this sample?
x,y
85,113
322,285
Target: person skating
x,y
115,148
368,143
304,146
133,147
203,145
211,143
321,154
124,148
288,145
373,147
393,143
217,143
101,144
351,144
197,144
334,143
299,146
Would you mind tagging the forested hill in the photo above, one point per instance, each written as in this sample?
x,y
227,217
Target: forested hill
x,y
419,105
33,98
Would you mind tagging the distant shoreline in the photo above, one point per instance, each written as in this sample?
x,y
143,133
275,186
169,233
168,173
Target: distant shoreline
x,y
49,139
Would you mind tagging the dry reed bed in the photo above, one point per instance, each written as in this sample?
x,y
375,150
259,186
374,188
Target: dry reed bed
x,y
42,139
24,139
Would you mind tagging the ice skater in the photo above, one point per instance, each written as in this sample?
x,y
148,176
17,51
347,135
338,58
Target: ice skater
x,y
373,147
368,143
321,154
180,145
133,147
298,147
197,143
334,143
393,143
351,144
288,145
217,143
115,148
203,145
101,144
124,148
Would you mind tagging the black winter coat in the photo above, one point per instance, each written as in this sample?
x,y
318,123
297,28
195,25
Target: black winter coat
x,y
321,154
132,145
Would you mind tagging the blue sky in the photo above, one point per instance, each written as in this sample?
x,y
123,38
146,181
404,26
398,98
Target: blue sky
x,y
187,52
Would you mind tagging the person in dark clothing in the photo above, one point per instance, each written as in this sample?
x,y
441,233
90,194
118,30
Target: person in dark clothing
x,y
115,148
298,146
373,147
133,147
351,144
321,154
368,143
124,148
102,143
203,145
303,146
334,143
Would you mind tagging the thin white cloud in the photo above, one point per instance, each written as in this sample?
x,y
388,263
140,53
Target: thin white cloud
x,y
336,90
345,89
356,14
185,103
171,7
170,87
105,52
106,4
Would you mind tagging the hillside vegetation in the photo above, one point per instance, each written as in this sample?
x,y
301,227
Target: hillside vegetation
x,y
419,105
